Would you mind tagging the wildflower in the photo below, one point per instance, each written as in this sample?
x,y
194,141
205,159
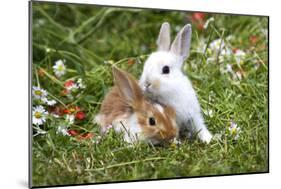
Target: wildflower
x,y
234,130
80,115
72,132
198,16
62,130
59,68
49,102
198,19
81,84
39,93
219,45
70,85
39,115
70,118
71,110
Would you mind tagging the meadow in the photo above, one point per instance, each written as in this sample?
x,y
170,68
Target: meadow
x,y
74,48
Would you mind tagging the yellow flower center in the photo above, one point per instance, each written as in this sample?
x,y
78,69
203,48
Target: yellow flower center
x,y
60,68
38,115
38,92
233,131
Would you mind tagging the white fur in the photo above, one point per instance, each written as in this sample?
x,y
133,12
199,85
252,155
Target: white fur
x,y
130,127
175,89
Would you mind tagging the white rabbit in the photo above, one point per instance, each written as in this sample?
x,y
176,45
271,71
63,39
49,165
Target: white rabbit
x,y
163,81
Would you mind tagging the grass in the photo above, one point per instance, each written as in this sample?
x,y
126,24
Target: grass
x,y
91,39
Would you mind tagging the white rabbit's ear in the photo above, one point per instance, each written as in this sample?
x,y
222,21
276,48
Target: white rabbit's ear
x,y
163,41
181,44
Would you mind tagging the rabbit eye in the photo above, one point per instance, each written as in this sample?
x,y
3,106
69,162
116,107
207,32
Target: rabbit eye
x,y
152,121
165,70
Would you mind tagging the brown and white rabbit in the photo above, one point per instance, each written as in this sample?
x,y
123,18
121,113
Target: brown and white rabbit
x,y
127,110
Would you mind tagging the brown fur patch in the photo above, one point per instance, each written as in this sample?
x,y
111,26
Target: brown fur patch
x,y
155,84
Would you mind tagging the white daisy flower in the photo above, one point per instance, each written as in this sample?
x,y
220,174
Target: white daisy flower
x,y
70,119
59,68
39,93
219,45
62,130
49,102
234,130
39,115
216,45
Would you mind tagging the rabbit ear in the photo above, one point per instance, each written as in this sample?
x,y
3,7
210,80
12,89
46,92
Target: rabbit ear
x,y
127,85
163,41
181,44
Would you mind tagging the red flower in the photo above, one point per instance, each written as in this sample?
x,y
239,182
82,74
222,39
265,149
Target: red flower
x,y
69,83
72,132
198,19
71,110
80,115
198,16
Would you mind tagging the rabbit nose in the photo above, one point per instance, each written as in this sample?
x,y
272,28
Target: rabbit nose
x,y
147,85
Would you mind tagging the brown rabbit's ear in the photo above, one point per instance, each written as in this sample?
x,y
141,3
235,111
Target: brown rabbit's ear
x,y
163,41
127,85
